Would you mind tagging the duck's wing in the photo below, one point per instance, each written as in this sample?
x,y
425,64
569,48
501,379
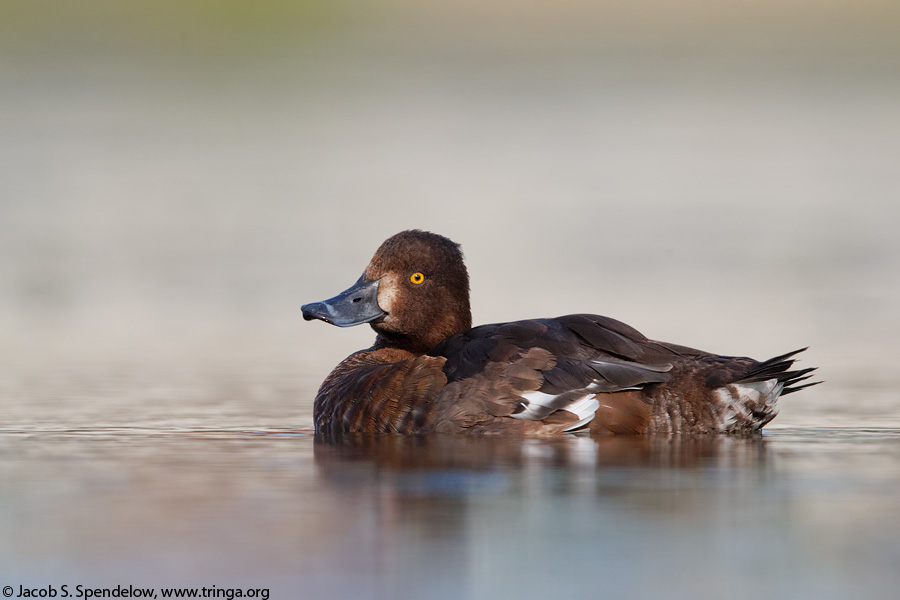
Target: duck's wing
x,y
377,392
587,371
549,372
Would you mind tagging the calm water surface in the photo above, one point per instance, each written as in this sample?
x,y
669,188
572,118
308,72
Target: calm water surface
x,y
795,513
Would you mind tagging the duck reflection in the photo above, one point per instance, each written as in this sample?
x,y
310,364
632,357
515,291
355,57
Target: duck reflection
x,y
441,464
448,508
417,452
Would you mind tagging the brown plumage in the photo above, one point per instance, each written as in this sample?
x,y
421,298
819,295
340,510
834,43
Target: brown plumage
x,y
429,371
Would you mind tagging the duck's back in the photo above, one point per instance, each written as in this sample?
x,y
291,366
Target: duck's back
x,y
549,376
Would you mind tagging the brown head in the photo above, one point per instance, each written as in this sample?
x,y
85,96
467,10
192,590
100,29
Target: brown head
x,y
414,293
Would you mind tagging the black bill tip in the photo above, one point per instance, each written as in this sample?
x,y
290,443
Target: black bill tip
x,y
354,306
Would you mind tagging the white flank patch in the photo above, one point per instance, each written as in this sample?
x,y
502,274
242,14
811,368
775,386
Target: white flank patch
x,y
584,409
534,399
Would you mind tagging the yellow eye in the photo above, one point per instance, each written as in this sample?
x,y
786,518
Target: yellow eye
x,y
417,278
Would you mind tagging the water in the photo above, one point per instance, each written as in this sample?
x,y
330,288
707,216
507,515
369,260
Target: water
x,y
175,182
794,514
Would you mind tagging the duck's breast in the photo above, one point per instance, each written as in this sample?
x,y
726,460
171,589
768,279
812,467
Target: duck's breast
x,y
379,391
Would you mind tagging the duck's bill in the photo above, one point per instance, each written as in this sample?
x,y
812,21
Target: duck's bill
x,y
354,306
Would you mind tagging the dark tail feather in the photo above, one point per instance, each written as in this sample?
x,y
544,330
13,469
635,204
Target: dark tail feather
x,y
797,388
777,368
785,356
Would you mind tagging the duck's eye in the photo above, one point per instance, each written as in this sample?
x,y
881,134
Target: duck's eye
x,y
417,278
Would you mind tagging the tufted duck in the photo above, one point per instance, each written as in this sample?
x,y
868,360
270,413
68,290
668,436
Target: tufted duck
x,y
431,371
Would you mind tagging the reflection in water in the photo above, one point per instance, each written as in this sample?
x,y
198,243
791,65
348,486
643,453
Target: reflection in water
x,y
641,471
632,514
395,453
808,514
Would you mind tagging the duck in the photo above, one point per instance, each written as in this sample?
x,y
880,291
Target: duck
x,y
430,371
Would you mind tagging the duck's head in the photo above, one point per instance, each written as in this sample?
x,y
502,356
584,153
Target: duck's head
x,y
414,293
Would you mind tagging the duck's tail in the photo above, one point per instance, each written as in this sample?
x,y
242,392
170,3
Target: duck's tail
x,y
749,403
778,368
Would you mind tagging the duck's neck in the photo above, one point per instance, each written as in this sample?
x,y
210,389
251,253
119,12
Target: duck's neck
x,y
422,340
398,341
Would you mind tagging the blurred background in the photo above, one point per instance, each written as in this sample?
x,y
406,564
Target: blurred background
x,y
177,178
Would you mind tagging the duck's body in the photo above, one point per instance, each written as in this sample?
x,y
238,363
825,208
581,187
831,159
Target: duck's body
x,y
430,372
